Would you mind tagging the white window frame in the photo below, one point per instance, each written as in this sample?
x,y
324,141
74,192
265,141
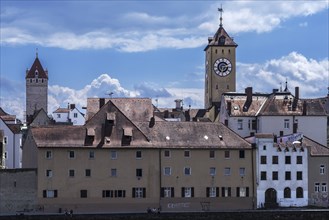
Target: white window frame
x,y
212,192
316,187
322,169
212,171
286,123
242,171
243,192
227,171
50,193
187,171
49,154
49,173
139,192
5,140
167,171
114,155
188,152
240,124
75,115
114,172
187,192
71,151
324,187
167,192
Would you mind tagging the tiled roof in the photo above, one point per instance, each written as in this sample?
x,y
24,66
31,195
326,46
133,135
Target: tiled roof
x,y
36,66
62,110
59,136
315,148
192,135
222,33
15,128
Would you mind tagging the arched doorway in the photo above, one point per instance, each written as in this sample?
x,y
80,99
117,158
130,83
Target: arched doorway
x,y
270,198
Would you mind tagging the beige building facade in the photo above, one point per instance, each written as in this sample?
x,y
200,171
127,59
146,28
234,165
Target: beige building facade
x,y
121,161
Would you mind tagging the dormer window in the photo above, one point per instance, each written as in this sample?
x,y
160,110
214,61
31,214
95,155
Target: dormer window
x,y
36,73
222,40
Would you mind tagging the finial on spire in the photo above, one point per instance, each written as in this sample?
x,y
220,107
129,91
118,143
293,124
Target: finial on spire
x,y
221,17
36,52
286,89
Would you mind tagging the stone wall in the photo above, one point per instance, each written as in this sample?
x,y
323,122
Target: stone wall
x,y
18,190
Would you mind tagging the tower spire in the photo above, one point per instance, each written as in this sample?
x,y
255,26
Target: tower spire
x,y
36,52
221,16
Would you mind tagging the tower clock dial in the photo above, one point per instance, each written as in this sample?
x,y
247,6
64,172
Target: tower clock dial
x,y
222,67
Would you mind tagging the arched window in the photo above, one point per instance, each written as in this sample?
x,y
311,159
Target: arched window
x,y
299,192
287,192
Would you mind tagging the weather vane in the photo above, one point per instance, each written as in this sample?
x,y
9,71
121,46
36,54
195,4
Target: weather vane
x,y
221,13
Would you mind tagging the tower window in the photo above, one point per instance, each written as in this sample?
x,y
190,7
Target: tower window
x,y
36,73
222,50
216,51
228,86
229,51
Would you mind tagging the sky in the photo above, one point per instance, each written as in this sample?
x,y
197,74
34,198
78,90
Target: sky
x,y
155,49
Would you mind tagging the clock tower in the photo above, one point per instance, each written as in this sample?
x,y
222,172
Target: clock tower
x,y
220,66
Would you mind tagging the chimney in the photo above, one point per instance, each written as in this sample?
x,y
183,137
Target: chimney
x,y
101,103
248,102
229,107
179,105
72,106
304,108
294,104
275,90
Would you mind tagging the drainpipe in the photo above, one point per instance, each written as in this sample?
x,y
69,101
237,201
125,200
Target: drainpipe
x,y
14,151
253,147
160,179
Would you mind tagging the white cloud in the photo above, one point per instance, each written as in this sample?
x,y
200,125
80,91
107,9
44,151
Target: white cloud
x,y
309,74
146,32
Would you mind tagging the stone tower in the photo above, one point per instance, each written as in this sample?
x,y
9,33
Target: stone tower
x,y
36,89
220,66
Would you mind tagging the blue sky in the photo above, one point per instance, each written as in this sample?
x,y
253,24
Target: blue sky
x,y
155,48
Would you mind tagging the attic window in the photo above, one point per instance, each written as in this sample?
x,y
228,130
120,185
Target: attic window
x,y
107,140
91,132
220,137
128,132
36,73
236,108
110,116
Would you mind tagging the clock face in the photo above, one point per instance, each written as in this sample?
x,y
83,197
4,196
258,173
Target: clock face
x,y
222,67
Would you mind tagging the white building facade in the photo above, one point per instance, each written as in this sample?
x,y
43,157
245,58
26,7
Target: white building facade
x,y
69,115
281,171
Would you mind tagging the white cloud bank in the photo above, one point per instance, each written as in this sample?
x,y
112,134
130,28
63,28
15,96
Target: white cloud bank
x,y
309,74
137,36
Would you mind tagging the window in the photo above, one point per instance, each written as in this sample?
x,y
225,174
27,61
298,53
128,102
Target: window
x,y
264,147
288,175
241,154
91,154
6,155
113,172
167,171
324,187
167,192
71,154
227,154
49,154
88,172
167,153
316,187
187,192
242,171
299,192
299,175
227,171
240,124
226,191
75,115
212,154
263,159
187,171
212,192
212,171
299,159
287,192
286,123
263,175
275,160
322,169
139,172
186,153
58,115
49,193
49,173
71,173
139,192
275,175
114,155
288,159
114,193
242,192
138,154
83,193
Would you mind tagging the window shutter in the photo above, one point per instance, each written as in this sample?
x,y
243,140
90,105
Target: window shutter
x,y
44,193
192,191
172,192
55,193
183,192
229,191
207,193
144,192
217,191
237,191
223,191
162,192
133,192
247,191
